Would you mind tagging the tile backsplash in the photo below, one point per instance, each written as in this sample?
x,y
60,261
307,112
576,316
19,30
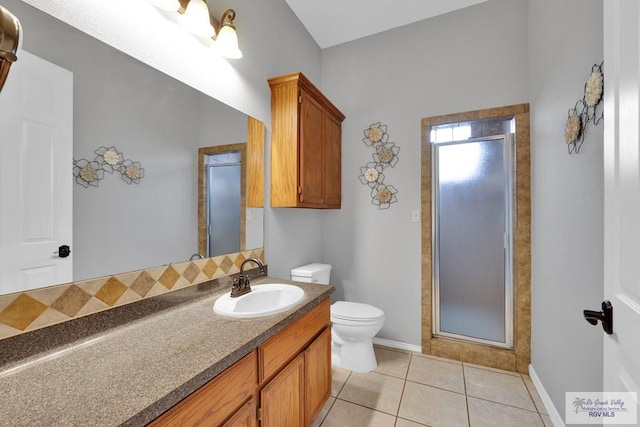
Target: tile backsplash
x,y
26,311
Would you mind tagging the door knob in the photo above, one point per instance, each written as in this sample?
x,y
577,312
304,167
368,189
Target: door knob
x,y
63,251
605,316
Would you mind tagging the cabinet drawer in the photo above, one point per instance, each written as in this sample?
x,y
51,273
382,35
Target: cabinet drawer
x,y
283,347
212,403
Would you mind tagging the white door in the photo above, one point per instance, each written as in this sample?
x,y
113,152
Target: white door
x,y
622,193
36,153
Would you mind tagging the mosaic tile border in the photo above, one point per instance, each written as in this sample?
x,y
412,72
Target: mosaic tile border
x,y
27,311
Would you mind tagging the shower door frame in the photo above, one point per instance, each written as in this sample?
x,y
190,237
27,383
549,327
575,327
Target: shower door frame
x,y
519,358
508,150
211,250
203,235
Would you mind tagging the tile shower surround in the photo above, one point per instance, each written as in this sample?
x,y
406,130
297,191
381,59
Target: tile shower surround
x,y
28,311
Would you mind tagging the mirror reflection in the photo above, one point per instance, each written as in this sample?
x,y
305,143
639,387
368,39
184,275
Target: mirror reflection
x,y
151,118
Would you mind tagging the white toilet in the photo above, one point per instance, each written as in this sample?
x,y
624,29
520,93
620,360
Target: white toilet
x,y
354,324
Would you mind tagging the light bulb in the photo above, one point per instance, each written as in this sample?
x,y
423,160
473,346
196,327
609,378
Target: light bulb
x,y
196,19
227,43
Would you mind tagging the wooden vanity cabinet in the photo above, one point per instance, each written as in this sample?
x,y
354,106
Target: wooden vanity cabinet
x,y
284,382
317,374
306,145
282,399
245,416
295,368
214,402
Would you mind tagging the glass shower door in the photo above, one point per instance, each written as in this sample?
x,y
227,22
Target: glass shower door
x,y
223,203
472,244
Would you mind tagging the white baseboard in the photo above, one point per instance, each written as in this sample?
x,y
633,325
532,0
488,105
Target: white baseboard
x,y
397,344
555,416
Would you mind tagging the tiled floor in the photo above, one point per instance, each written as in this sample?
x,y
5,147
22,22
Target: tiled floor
x,y
411,389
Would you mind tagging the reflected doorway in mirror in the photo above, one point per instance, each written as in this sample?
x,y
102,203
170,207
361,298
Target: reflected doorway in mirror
x,y
36,142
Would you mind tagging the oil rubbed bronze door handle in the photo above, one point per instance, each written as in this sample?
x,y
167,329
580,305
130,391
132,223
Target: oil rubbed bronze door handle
x,y
605,316
63,251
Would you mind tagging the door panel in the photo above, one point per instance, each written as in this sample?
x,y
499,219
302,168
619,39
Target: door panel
x,y
472,253
317,368
282,400
622,193
36,151
333,158
311,153
224,209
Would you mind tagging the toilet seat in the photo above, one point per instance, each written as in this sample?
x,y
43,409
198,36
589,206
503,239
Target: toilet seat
x,y
355,312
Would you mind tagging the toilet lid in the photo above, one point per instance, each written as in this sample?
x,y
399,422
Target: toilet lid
x,y
355,310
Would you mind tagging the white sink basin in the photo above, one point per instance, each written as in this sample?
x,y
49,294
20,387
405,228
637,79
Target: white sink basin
x,y
263,300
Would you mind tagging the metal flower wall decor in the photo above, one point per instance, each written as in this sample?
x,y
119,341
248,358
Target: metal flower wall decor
x,y
90,173
385,155
584,111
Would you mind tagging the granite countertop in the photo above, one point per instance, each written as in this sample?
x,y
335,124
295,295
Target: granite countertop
x,y
132,373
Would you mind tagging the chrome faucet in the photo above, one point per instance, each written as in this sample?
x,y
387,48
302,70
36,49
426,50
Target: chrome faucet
x,y
196,255
241,285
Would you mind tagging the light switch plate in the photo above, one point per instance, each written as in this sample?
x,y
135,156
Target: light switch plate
x,y
415,215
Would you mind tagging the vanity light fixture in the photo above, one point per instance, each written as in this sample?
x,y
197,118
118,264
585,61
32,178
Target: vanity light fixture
x,y
194,16
10,42
226,39
166,5
196,19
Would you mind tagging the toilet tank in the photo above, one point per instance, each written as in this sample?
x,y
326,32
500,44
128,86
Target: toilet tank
x,y
312,273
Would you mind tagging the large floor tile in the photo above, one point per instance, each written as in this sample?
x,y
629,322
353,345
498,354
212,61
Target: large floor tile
x,y
436,373
373,390
483,413
433,406
345,414
534,394
323,413
396,349
406,423
338,378
498,387
487,368
442,359
392,363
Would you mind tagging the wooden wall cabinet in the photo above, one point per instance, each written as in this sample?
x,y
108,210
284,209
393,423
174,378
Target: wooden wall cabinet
x,y
255,163
306,145
285,382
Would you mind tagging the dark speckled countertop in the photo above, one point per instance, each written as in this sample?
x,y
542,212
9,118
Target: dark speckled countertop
x,y
131,373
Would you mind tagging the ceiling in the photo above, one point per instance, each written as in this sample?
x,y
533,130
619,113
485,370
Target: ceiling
x,y
332,22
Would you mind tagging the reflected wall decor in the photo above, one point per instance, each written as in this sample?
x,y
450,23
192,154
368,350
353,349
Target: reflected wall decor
x,y
385,155
90,173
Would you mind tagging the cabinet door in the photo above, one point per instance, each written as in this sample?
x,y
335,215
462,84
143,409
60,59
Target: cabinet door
x,y
333,162
311,151
212,403
282,400
317,368
244,417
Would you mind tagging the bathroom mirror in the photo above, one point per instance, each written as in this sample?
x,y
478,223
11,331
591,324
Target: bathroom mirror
x,y
150,118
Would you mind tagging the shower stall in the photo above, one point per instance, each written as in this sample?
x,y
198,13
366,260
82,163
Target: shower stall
x,y
224,197
472,200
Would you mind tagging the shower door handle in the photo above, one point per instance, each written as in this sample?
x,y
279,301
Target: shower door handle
x,y
605,316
